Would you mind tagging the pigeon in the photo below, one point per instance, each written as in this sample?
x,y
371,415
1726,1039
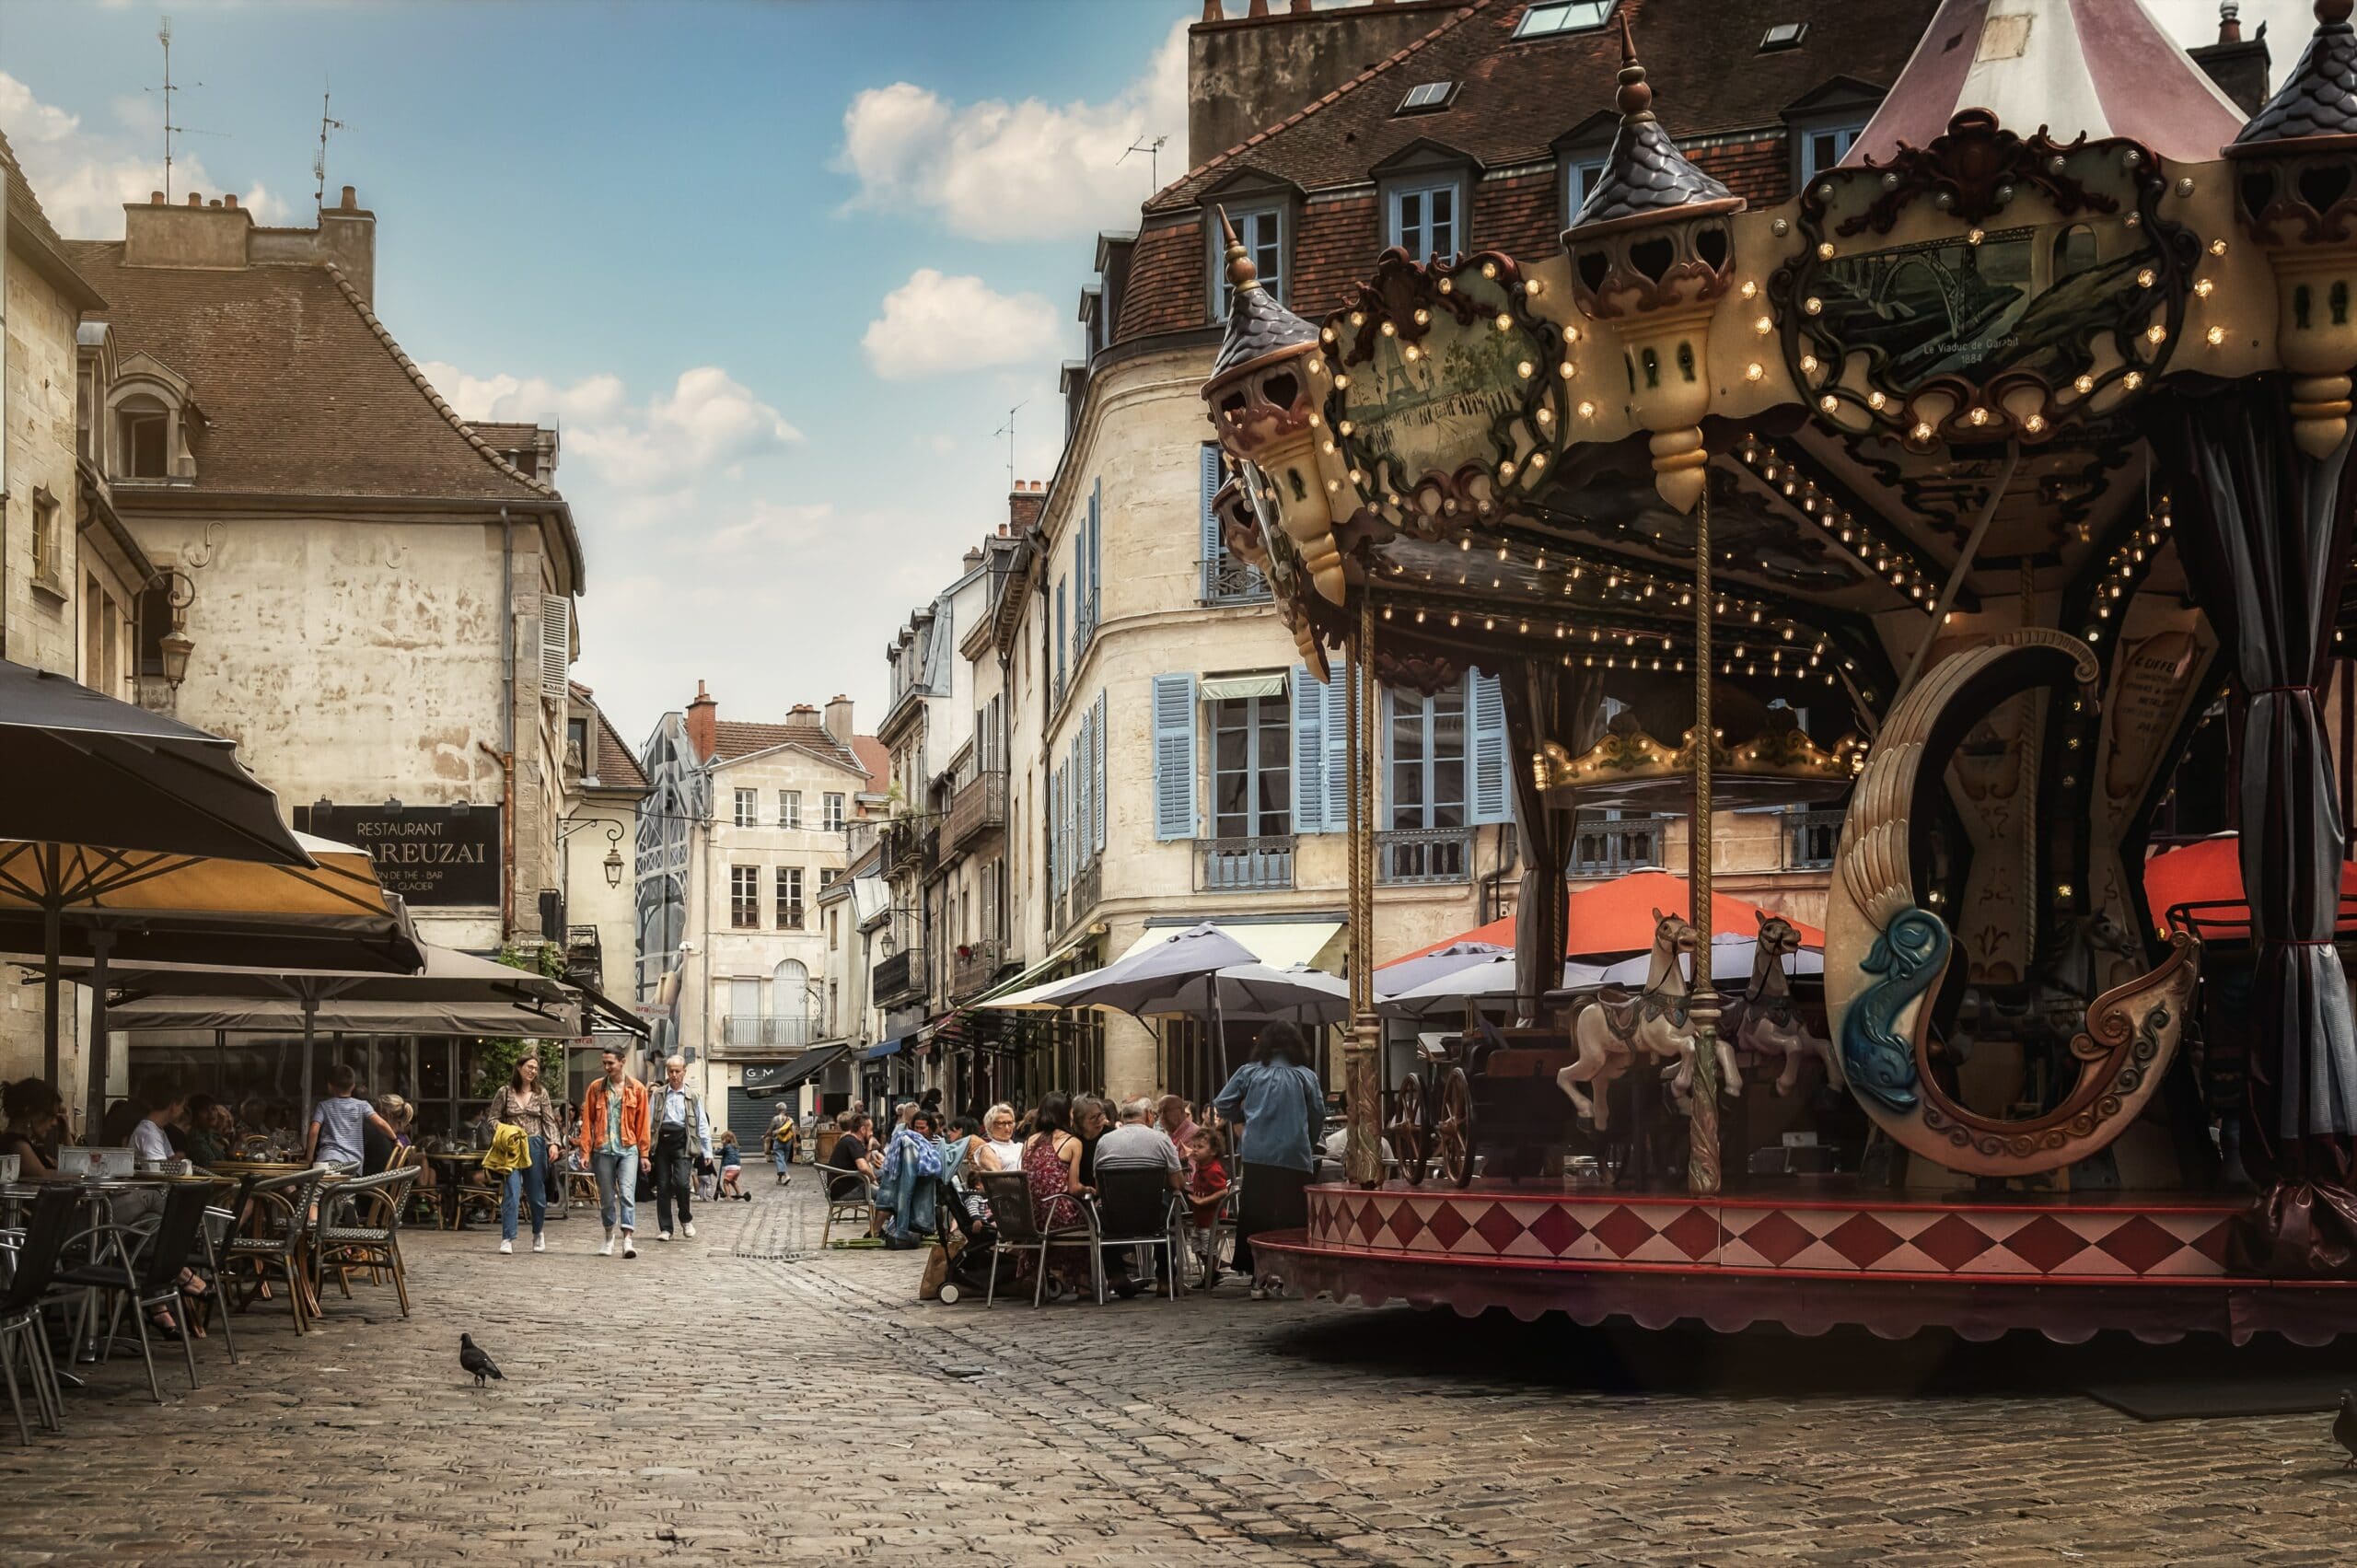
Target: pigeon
x,y
2344,1427
471,1357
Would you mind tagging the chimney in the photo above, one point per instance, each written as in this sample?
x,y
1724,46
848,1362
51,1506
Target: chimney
x,y
1023,504
212,237
1245,72
229,201
839,719
194,200
2230,21
704,725
347,236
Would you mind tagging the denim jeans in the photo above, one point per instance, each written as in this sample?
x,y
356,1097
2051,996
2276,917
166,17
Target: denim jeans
x,y
780,1156
516,1183
617,1186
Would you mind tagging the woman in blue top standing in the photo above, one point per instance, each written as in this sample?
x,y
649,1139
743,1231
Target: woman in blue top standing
x,y
1278,1108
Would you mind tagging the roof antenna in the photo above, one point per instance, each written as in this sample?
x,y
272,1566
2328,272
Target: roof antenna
x,y
319,159
1007,430
1153,151
164,37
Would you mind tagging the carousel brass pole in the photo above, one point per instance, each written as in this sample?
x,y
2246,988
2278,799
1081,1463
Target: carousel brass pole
x,y
1361,1057
1702,1005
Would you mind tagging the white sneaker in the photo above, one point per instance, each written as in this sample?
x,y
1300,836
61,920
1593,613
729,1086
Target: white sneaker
x,y
607,1250
539,1244
662,1236
507,1249
1259,1292
689,1230
629,1249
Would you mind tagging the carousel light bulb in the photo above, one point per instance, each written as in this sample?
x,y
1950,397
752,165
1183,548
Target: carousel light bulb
x,y
1979,415
1524,369
1389,330
1923,431
2133,380
2217,248
1588,409
1387,612
1334,484
1808,364
1412,353
1448,285
1357,477
1749,289
1875,399
2202,286
1489,268
2215,336
2034,423
1974,237
1825,250
1504,321
1763,326
1325,334
1419,618
1489,623
1465,543
1812,305
1537,461
1754,371
1340,380
1546,416
1345,427
1830,403
1532,288
2084,385
1422,315
1452,618
1328,444
2156,333
2144,278
1505,469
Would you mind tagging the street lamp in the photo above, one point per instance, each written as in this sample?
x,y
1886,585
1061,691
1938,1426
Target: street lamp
x,y
173,648
614,862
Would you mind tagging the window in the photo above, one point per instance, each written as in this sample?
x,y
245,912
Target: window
x,y
577,744
1424,97
1263,231
826,876
789,808
1427,759
830,1007
747,810
1549,18
745,897
1423,219
1783,35
789,898
1580,171
1227,579
834,929
1823,146
834,818
142,438
48,570
1251,770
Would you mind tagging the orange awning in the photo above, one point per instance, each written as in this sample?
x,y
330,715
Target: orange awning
x,y
2211,872
1617,917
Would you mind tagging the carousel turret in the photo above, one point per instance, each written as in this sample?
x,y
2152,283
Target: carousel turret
x,y
1264,406
2295,188
1652,255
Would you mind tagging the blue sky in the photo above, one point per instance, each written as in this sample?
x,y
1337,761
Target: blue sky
x,y
778,271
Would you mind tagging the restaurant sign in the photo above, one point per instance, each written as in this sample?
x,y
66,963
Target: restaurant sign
x,y
428,854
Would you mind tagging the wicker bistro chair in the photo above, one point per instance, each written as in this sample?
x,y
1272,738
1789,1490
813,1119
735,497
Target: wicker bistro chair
x,y
212,1250
145,1280
1009,1193
20,1305
1136,1207
359,1227
278,1221
855,1202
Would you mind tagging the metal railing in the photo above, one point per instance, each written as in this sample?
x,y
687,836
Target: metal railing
x,y
1608,846
795,1031
979,805
899,974
908,841
1228,580
1226,865
1405,856
974,966
1811,839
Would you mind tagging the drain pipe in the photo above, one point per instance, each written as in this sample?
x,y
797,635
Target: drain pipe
x,y
505,755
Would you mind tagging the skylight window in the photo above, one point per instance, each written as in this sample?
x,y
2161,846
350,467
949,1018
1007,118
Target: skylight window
x,y
1546,18
1425,96
1783,35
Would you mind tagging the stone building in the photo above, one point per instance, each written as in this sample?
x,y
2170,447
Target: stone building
x,y
378,603
745,826
596,915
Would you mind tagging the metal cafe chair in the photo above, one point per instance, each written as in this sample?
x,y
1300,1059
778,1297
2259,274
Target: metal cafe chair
x,y
146,1280
279,1213
1136,1207
1009,1193
20,1305
854,1202
359,1227
213,1234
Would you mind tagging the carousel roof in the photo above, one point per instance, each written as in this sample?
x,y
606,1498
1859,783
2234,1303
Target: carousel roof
x,y
1257,324
2104,67
2318,100
1645,174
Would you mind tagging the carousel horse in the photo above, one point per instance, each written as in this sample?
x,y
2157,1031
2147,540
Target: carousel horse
x,y
1770,1020
1611,1029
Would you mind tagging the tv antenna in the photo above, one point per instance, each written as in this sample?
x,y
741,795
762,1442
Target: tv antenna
x,y
319,159
1153,151
164,37
1007,430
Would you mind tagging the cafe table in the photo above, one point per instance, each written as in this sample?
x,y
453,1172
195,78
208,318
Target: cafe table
x,y
453,1166
98,1199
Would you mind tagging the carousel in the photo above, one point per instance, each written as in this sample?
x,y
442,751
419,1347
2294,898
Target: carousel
x,y
1953,492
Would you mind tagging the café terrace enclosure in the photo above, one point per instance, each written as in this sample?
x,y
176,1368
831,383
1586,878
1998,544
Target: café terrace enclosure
x,y
1958,487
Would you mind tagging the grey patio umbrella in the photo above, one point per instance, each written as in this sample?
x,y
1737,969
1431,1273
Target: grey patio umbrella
x,y
1148,980
1732,954
1305,994
1408,973
1492,979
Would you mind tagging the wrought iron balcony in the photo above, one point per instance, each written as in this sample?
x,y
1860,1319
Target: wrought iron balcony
x,y
786,1032
1227,580
1608,846
1406,856
900,976
975,965
979,805
584,956
1228,865
1811,839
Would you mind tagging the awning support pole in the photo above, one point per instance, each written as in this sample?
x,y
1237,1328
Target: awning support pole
x,y
95,1064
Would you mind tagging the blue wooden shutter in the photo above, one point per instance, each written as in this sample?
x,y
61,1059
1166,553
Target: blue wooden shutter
x,y
1063,636
1492,797
1208,462
1311,705
1097,769
1338,750
1174,757
1095,554
1083,748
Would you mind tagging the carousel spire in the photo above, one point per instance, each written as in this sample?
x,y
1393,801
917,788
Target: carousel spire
x,y
1644,175
1257,324
2318,98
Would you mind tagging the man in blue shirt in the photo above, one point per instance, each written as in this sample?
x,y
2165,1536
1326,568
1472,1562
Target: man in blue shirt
x,y
683,1135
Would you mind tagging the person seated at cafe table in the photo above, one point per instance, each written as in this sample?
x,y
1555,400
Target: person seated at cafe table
x,y
378,1147
161,1106
35,1111
206,1141
336,1139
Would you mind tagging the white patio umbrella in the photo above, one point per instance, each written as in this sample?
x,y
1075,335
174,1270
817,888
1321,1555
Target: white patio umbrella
x,y
1730,958
1490,980
1305,994
1408,973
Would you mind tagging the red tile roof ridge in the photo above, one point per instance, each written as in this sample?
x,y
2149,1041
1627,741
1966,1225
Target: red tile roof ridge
x,y
1154,202
441,405
612,747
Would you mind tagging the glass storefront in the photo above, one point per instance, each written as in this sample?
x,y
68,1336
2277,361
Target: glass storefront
x,y
260,1075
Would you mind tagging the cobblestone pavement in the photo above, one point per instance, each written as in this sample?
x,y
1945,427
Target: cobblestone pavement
x,y
744,1397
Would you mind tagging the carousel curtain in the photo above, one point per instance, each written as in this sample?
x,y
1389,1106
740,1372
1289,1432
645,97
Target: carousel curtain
x,y
1545,702
2265,531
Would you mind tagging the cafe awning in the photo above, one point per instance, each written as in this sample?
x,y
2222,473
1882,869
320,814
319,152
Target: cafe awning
x,y
885,1048
763,1079
1017,991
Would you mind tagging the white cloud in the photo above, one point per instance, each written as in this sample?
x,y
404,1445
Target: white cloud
x,y
767,524
937,325
84,178
1027,171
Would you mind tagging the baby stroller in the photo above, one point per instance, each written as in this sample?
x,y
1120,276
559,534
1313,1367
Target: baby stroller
x,y
971,1260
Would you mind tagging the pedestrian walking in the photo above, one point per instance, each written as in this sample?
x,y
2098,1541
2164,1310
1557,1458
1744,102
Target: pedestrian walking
x,y
779,1141
614,1141
1279,1108
682,1135
521,1102
336,1123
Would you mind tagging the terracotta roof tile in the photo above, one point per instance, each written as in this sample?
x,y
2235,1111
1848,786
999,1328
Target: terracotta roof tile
x,y
1168,271
617,767
303,391
876,758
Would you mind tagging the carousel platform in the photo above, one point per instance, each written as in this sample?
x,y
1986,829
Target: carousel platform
x,y
1811,1258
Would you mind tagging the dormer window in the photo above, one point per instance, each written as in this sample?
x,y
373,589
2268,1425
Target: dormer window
x,y
1548,17
1783,35
1425,219
1426,194
1262,228
142,438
